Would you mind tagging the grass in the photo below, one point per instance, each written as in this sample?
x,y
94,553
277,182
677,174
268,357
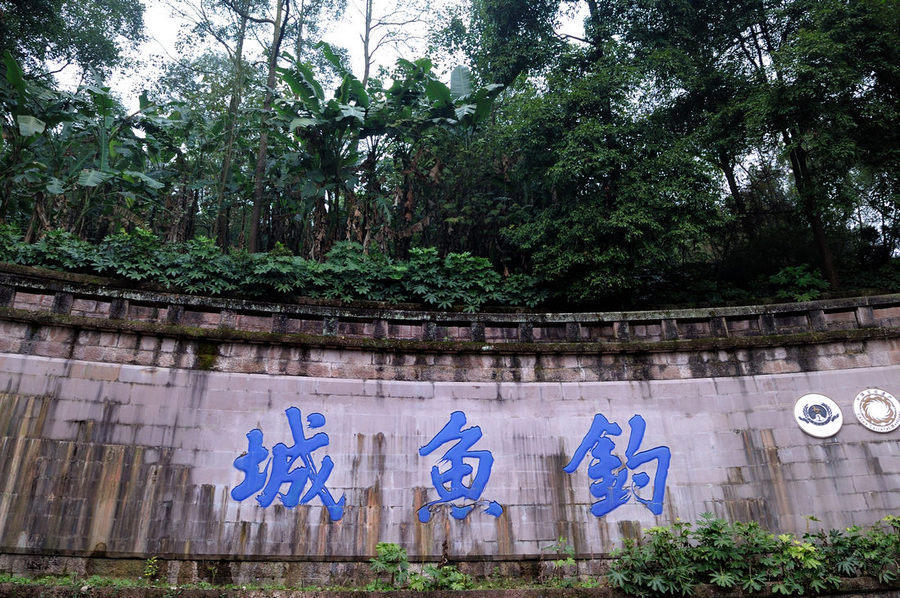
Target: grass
x,y
97,581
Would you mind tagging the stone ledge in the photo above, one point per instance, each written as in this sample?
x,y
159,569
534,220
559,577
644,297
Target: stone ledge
x,y
224,334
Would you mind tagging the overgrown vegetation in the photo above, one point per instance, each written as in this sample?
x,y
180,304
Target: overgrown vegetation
x,y
392,563
675,560
347,273
642,153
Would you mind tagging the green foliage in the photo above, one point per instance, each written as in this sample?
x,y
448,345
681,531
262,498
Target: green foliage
x,y
856,552
557,576
62,251
454,280
673,560
391,559
92,35
135,255
564,550
151,568
799,283
348,272
199,266
670,153
10,243
440,578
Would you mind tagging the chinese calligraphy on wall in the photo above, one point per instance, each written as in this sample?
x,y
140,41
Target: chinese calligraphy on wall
x,y
295,476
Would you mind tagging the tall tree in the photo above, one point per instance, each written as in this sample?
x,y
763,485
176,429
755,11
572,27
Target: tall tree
x,y
396,24
59,33
279,26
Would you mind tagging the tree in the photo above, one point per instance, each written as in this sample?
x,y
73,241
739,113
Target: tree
x,y
279,26
59,33
388,24
765,60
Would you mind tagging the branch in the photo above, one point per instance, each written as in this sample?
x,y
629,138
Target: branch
x,y
575,37
68,62
245,15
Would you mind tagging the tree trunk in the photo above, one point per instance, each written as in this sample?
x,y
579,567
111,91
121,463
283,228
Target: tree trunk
x,y
220,230
808,202
727,167
367,38
278,29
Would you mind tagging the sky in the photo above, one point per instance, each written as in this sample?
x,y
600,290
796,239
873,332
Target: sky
x,y
163,25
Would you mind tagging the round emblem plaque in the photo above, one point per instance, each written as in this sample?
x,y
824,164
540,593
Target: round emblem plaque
x,y
877,410
818,416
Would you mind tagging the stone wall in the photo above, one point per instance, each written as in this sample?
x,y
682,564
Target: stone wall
x,y
121,422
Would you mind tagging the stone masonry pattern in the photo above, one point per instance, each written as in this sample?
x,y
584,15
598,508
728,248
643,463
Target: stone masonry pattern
x,y
121,417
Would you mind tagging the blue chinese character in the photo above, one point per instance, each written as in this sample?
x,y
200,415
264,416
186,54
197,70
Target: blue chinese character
x,y
609,474
280,468
449,483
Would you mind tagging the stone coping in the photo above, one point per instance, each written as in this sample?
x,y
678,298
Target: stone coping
x,y
444,347
84,297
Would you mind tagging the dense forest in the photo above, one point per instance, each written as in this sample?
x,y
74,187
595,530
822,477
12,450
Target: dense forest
x,y
553,153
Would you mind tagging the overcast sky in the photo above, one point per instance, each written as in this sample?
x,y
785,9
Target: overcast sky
x,y
162,30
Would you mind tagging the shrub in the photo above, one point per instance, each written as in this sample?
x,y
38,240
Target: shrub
x,y
440,578
63,251
198,266
674,559
798,283
391,559
134,255
348,272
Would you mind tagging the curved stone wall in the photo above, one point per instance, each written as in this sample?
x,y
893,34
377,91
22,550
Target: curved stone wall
x,y
123,413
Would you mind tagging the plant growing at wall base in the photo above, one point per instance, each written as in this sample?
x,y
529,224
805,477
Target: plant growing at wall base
x,y
673,560
151,568
391,559
565,562
440,578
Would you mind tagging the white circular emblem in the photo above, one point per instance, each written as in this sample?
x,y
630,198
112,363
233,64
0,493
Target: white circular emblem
x,y
877,410
818,416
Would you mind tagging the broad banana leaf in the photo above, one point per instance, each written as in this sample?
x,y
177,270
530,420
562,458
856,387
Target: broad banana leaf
x,y
302,123
91,178
438,93
151,182
14,75
55,187
332,57
29,125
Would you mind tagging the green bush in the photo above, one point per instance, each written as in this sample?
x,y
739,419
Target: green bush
x,y
135,256
440,578
348,273
458,279
798,283
62,251
199,267
673,560
390,559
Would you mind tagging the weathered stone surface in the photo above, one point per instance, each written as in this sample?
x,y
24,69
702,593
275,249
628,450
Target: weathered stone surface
x,y
130,459
120,423
32,289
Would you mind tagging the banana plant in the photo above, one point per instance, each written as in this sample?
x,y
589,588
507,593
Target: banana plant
x,y
71,159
